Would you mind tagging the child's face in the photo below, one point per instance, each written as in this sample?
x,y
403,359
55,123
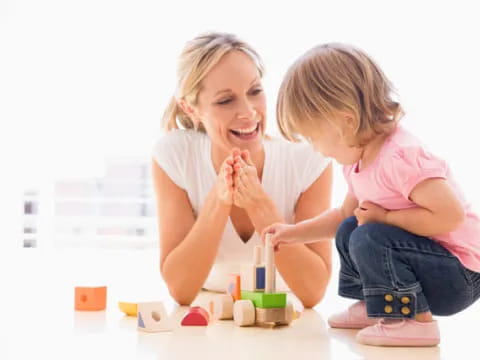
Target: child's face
x,y
231,103
328,140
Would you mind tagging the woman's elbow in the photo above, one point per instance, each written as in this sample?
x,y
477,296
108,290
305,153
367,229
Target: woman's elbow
x,y
177,291
181,297
181,294
313,299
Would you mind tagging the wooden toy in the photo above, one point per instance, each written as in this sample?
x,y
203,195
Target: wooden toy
x,y
244,313
253,276
271,315
152,317
129,309
90,298
278,316
266,300
234,286
221,307
269,266
258,304
196,316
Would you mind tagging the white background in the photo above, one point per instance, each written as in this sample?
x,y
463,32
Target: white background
x,y
84,81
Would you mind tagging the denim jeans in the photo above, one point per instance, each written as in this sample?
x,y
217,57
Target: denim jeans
x,y
399,274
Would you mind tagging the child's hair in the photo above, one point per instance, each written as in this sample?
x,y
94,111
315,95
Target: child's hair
x,y
198,57
336,77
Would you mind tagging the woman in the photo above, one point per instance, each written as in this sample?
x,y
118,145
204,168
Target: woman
x,y
219,181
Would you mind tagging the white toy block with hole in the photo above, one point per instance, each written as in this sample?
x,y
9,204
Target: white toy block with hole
x,y
152,317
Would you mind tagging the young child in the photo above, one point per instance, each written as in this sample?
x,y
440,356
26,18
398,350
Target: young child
x,y
408,241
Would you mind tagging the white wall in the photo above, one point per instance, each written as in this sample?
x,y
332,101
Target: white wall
x,y
84,80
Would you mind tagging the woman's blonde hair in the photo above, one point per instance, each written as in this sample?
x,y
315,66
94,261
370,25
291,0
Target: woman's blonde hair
x,y
198,57
336,77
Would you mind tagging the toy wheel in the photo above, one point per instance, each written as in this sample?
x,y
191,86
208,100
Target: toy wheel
x,y
289,314
244,313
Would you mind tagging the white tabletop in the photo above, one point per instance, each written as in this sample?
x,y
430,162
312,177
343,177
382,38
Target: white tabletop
x,y
39,320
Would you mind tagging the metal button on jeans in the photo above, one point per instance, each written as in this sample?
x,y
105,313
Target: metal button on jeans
x,y
405,310
388,297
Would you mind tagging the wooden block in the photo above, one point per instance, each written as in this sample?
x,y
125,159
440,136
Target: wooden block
x,y
279,316
244,313
128,308
248,277
270,272
152,317
289,315
90,298
253,277
270,315
221,307
196,316
257,255
211,307
234,287
260,278
266,300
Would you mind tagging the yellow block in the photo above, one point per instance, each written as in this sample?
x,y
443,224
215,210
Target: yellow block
x,y
130,309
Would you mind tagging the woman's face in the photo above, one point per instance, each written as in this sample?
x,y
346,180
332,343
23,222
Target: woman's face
x,y
231,103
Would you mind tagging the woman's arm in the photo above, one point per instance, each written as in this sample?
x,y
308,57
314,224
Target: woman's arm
x,y
299,261
306,268
188,246
312,235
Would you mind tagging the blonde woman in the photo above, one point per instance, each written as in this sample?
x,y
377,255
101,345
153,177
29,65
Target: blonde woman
x,y
219,181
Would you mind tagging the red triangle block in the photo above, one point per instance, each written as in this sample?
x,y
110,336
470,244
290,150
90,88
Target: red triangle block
x,y
196,316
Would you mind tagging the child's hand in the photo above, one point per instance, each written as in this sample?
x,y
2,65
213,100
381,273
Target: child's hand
x,y
368,212
281,234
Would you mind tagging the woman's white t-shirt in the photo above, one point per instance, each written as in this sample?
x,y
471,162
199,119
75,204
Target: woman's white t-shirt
x,y
289,170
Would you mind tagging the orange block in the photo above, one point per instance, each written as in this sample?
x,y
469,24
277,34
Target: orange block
x,y
90,298
233,287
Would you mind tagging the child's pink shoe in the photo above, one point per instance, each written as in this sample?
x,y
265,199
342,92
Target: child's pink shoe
x,y
355,317
400,333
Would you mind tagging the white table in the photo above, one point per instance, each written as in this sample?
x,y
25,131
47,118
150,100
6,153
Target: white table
x,y
39,321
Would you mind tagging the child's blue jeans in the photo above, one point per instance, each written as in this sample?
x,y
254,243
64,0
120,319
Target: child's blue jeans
x,y
399,274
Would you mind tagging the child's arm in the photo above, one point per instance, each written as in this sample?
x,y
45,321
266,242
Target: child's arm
x,y
320,228
439,211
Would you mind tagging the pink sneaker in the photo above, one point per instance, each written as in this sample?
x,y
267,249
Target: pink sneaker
x,y
355,317
400,333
